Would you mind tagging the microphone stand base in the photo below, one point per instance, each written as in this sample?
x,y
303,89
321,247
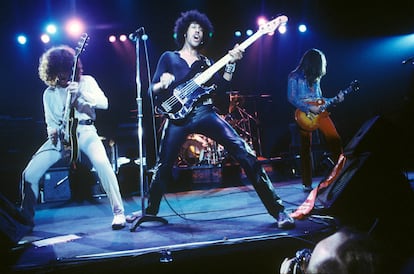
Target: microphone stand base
x,y
147,218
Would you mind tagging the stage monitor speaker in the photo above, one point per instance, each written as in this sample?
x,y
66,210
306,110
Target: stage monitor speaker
x,y
13,225
379,135
368,189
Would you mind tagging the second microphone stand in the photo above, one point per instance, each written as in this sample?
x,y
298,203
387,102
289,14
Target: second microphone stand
x,y
144,217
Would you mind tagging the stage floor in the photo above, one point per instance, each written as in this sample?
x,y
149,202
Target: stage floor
x,y
205,227
211,229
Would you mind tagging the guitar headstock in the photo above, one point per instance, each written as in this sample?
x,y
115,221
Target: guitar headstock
x,y
354,86
271,26
83,42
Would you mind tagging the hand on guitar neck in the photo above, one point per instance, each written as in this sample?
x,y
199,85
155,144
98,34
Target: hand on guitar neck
x,y
317,109
70,121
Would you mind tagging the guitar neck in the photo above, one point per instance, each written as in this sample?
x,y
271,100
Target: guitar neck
x,y
67,107
208,73
335,100
68,96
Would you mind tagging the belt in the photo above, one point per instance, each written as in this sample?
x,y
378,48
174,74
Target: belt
x,y
207,101
86,122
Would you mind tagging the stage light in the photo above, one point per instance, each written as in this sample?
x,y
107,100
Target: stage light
x,y
51,29
237,33
75,27
144,37
122,38
45,38
22,39
112,38
261,20
302,28
282,29
249,32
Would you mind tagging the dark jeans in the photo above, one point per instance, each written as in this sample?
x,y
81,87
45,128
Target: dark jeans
x,y
204,120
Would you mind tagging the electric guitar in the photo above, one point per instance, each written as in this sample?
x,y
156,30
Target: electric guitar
x,y
310,121
178,102
70,122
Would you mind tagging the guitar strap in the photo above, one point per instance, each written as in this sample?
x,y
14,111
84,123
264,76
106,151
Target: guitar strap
x,y
206,60
306,207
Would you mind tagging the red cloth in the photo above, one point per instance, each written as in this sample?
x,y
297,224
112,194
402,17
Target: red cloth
x,y
306,207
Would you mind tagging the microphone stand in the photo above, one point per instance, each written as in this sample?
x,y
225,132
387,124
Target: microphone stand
x,y
144,217
409,60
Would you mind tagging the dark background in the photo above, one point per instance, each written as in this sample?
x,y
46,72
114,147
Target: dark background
x,y
363,40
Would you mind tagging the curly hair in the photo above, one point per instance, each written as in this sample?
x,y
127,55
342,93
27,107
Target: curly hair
x,y
312,65
57,60
183,22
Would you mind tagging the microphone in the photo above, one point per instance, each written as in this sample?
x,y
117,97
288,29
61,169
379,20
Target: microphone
x,y
135,35
408,60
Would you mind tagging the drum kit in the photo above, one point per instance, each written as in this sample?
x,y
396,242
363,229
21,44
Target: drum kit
x,y
199,150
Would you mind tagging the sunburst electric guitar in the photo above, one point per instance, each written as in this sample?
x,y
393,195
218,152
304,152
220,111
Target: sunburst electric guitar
x,y
70,122
310,121
178,101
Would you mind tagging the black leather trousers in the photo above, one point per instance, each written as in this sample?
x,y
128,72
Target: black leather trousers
x,y
204,120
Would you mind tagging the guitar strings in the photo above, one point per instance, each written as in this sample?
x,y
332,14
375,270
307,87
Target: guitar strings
x,y
189,88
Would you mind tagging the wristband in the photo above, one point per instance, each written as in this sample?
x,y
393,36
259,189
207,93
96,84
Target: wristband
x,y
230,68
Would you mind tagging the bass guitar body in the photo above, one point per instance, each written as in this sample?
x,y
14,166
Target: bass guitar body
x,y
179,101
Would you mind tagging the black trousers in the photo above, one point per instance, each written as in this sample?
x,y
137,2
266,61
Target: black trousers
x,y
204,120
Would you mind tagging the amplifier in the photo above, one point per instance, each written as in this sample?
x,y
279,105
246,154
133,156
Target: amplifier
x,y
55,185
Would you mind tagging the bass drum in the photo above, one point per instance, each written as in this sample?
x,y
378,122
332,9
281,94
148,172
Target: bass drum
x,y
193,150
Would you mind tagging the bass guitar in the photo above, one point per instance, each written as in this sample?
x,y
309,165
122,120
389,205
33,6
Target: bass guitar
x,y
178,102
310,121
70,122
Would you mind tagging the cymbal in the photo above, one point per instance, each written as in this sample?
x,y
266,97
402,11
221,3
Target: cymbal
x,y
238,95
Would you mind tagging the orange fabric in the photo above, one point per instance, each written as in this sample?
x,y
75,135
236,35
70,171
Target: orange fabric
x,y
306,207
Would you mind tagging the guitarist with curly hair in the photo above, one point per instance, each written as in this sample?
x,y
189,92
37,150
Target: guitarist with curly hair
x,y
305,94
84,96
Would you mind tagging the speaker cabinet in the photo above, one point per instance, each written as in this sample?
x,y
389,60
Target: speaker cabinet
x,y
13,225
379,135
367,187
372,185
55,185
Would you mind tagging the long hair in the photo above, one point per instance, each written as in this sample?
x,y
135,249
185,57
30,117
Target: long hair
x,y
56,60
183,22
312,65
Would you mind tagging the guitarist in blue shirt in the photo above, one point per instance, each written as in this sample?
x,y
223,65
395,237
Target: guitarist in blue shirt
x,y
193,31
55,69
304,93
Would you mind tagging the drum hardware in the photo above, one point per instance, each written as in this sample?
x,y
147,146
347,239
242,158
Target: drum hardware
x,y
242,121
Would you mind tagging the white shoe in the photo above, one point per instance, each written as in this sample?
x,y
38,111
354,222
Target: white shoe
x,y
118,222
